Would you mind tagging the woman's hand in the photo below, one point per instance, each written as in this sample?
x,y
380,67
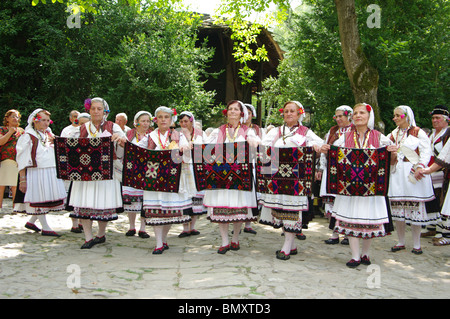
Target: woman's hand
x,y
318,175
325,148
23,186
392,148
120,140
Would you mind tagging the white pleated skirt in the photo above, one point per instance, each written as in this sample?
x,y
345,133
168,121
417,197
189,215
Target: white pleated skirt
x,y
43,187
401,189
359,216
230,205
96,195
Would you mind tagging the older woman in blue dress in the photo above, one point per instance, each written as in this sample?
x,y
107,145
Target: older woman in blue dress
x,y
407,195
286,210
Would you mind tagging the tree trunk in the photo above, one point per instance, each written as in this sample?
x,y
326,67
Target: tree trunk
x,y
362,76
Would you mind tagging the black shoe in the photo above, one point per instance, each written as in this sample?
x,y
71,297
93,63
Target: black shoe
x,y
131,232
143,234
281,255
184,234
31,226
344,241
249,230
99,240
365,260
332,241
300,236
353,263
88,244
50,233
76,230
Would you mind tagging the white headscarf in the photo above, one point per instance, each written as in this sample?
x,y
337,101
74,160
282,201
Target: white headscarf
x,y
84,115
104,103
244,110
31,118
300,106
190,115
371,123
30,121
167,110
347,108
409,114
138,115
251,108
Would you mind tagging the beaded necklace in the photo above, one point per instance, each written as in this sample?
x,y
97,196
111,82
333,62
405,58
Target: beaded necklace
x,y
137,136
42,139
166,144
236,131
397,142
90,132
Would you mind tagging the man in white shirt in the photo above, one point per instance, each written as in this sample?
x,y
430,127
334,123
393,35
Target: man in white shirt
x,y
68,130
121,120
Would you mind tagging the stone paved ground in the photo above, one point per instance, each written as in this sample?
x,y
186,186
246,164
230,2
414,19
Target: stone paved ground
x,y
33,266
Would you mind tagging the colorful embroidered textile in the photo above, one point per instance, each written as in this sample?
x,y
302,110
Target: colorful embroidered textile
x,y
358,172
288,171
151,170
222,166
84,159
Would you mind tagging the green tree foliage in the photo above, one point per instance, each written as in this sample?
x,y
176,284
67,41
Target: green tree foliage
x,y
410,51
135,56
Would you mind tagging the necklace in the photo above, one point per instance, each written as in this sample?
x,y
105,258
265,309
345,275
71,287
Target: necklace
x,y
163,146
43,140
289,134
365,141
236,131
137,136
90,132
404,134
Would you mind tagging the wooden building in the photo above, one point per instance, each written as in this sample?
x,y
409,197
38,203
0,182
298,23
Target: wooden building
x,y
228,84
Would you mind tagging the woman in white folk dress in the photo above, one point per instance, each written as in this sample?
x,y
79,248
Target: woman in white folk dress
x,y
99,201
133,198
231,206
163,209
258,131
407,195
194,135
361,217
343,117
40,191
286,210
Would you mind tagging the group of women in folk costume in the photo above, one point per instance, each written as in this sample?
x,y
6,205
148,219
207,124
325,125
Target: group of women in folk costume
x,y
357,217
